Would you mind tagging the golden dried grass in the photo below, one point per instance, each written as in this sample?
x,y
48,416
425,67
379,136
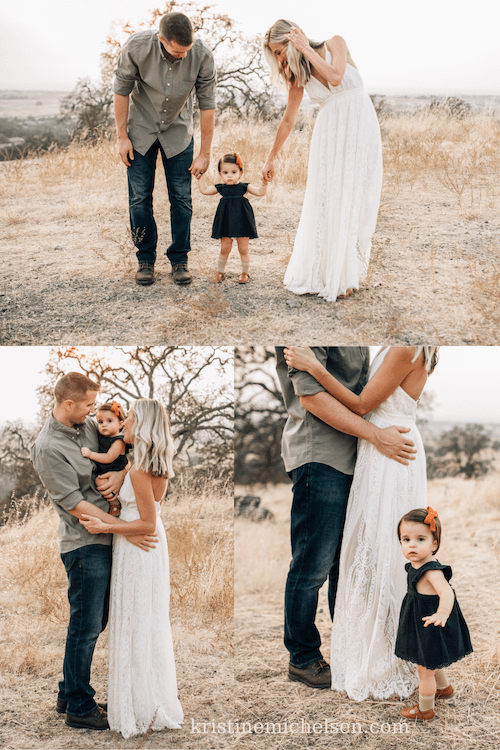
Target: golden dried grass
x,y
470,513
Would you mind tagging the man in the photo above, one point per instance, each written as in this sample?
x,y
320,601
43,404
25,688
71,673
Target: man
x,y
160,71
319,452
68,478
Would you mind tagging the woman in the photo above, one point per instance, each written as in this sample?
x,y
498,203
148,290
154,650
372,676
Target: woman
x,y
142,690
344,179
372,579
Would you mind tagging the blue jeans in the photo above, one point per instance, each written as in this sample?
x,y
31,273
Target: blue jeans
x,y
141,180
320,495
88,570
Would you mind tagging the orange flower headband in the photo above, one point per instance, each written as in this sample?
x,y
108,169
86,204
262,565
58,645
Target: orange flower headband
x,y
238,160
429,519
115,408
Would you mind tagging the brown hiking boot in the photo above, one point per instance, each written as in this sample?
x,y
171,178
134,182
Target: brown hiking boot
x,y
180,274
146,274
98,719
315,675
61,706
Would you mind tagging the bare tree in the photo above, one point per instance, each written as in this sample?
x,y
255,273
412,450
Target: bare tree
x,y
260,416
194,383
464,450
243,86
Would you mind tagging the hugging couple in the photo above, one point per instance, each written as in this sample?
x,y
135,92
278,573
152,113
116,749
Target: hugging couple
x,y
115,566
348,505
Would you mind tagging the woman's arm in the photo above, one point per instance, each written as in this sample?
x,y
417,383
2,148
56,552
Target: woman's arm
x,y
98,522
446,598
204,190
116,449
262,190
334,71
394,369
295,94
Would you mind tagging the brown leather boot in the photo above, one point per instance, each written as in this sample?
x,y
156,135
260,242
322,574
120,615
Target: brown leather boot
x,y
145,275
98,719
180,274
315,675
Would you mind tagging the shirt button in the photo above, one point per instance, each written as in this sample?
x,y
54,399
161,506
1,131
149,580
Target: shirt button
x,y
168,84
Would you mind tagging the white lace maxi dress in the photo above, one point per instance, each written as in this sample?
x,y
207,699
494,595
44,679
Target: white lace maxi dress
x,y
372,577
142,690
344,180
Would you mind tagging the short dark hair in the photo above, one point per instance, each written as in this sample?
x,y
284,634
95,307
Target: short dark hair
x,y
418,516
113,406
74,386
176,27
231,159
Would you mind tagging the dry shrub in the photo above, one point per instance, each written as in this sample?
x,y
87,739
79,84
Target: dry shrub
x,y
200,540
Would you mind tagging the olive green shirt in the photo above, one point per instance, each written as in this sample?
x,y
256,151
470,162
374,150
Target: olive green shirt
x,y
306,438
161,88
68,477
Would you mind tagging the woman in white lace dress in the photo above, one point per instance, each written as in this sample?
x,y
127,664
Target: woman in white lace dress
x,y
142,689
344,179
372,578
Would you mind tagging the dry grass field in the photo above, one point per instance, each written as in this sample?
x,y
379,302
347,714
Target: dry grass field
x,y
434,274
33,617
470,513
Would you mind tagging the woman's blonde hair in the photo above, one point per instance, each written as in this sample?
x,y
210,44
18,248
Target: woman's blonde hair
x,y
298,70
153,445
430,356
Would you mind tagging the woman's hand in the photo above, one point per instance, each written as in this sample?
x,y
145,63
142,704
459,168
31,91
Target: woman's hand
x,y
298,39
300,357
93,525
268,171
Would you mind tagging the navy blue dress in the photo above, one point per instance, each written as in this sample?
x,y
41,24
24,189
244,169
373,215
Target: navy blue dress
x,y
432,647
234,216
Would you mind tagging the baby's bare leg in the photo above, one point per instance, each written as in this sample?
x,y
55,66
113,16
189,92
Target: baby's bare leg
x,y
243,243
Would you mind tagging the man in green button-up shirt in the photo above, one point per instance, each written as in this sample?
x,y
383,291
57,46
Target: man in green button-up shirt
x,y
155,79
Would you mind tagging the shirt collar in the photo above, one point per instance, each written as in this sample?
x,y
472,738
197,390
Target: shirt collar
x,y
166,55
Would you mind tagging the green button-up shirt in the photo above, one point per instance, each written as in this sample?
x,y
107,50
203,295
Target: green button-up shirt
x,y
162,90
306,439
68,477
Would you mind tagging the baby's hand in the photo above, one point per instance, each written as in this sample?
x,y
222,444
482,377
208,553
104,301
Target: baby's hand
x,y
438,618
114,508
86,452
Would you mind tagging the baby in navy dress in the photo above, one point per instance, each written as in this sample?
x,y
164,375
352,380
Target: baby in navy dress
x,y
112,447
234,216
432,632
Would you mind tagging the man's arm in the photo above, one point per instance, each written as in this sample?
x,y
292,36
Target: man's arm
x,y
125,148
144,541
207,124
389,441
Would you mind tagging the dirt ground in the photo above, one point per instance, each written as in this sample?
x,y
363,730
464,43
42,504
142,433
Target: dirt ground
x,y
470,513
68,272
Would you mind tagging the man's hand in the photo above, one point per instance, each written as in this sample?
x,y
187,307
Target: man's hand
x,y
144,541
392,442
126,151
109,484
199,165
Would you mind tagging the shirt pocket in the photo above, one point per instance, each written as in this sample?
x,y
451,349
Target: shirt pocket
x,y
185,88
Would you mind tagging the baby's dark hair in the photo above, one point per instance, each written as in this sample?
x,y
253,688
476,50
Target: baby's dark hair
x,y
418,516
113,406
231,159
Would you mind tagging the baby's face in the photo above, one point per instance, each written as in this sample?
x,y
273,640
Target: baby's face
x,y
230,173
108,423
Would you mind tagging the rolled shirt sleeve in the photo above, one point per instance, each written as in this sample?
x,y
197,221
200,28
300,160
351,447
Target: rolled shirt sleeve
x,y
126,73
59,478
206,82
303,383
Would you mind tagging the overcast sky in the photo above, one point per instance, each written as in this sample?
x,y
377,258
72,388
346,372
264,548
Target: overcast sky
x,y
430,46
466,383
